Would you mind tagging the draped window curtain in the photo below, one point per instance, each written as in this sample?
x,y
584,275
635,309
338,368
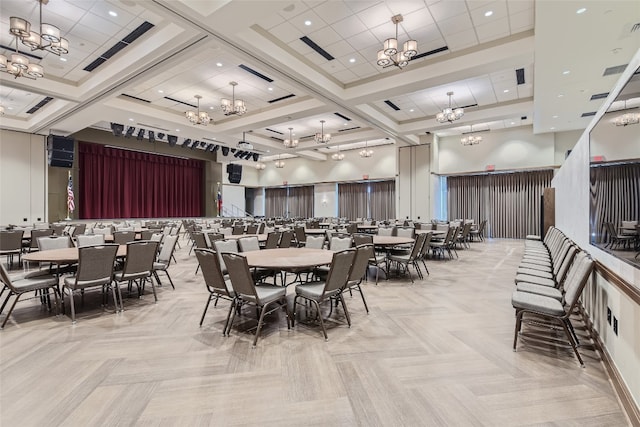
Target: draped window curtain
x,y
510,202
382,200
352,200
118,183
615,196
301,202
275,202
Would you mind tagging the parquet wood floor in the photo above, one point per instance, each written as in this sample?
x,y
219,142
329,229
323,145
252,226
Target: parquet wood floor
x,y
434,353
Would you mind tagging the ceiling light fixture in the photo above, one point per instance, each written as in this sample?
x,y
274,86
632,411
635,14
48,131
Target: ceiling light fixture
x,y
471,139
1,110
321,137
337,156
244,144
389,55
450,114
366,152
627,118
290,142
233,106
260,166
279,163
198,117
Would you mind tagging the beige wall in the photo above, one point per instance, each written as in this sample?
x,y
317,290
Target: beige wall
x,y
572,216
23,180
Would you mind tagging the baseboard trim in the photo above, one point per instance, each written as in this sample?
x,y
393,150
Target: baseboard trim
x,y
624,394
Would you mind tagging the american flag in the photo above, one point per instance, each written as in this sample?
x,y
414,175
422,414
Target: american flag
x,y
70,199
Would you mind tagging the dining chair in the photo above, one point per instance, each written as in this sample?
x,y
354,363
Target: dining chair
x,y
11,244
318,292
123,237
217,285
412,258
164,259
20,286
199,241
89,240
358,272
273,239
36,234
95,268
339,243
225,246
138,267
314,242
301,236
252,229
286,239
263,297
250,243
424,252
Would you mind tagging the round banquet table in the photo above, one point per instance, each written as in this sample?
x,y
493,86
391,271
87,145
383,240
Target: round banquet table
x,y
261,237
391,240
315,230
291,259
63,256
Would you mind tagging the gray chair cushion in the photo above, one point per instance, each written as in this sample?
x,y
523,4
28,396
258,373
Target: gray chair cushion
x,y
537,303
31,284
532,272
312,290
539,290
270,293
540,281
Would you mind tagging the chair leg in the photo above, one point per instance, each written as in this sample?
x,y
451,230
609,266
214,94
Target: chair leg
x,y
227,325
293,316
260,322
324,330
10,310
73,308
517,329
287,312
153,288
236,308
344,307
115,298
206,307
170,281
571,341
364,301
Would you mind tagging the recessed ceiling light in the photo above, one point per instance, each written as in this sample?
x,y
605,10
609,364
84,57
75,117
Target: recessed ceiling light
x,y
352,60
218,64
112,13
345,124
63,59
581,10
269,88
307,22
488,13
130,120
560,95
555,117
177,130
506,91
210,108
565,72
513,123
9,108
552,127
160,91
411,110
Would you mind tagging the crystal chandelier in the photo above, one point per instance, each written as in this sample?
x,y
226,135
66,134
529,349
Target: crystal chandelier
x,y
290,143
366,152
389,55
198,117
321,137
279,163
260,166
337,156
233,106
471,139
450,114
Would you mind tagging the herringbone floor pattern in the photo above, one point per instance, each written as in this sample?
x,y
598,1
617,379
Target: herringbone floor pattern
x,y
437,352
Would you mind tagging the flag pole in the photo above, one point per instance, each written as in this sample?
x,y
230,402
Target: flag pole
x,y
68,218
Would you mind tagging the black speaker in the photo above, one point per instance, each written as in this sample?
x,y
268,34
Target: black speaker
x,y
235,173
60,151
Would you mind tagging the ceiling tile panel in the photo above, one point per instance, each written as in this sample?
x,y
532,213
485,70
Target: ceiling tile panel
x,y
454,24
376,15
324,37
447,9
286,32
461,40
333,11
349,26
417,20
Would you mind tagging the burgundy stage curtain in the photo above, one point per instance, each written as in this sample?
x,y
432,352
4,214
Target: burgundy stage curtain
x,y
117,183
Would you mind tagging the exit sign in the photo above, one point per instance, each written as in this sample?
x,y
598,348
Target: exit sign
x,y
490,167
285,183
365,176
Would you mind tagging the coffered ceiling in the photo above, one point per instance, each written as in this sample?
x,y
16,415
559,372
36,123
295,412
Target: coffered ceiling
x,y
192,47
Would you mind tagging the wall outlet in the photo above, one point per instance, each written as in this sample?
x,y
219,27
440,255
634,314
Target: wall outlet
x,y
24,219
615,325
608,315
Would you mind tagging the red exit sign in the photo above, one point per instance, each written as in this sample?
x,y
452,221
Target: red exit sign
x,y
365,176
490,167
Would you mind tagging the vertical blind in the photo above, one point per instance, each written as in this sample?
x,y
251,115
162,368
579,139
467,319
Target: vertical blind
x,y
510,202
615,196
117,183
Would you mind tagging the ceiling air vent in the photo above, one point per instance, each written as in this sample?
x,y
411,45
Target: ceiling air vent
x,y
39,105
130,38
180,102
255,73
348,129
306,40
614,70
282,98
342,116
274,131
431,52
520,76
591,113
392,105
599,96
136,98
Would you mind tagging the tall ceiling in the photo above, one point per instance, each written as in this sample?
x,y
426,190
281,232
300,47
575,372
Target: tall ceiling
x,y
194,47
